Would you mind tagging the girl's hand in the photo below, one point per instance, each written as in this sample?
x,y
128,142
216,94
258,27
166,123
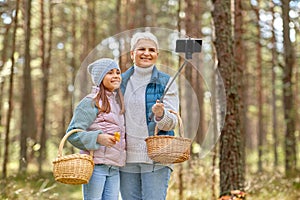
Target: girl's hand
x,y
106,140
158,109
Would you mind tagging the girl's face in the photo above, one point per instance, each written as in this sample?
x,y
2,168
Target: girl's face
x,y
145,53
112,80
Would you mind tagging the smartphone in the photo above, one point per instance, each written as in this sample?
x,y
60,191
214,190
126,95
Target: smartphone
x,y
188,46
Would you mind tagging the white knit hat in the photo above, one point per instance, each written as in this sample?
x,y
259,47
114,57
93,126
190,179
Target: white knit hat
x,y
99,69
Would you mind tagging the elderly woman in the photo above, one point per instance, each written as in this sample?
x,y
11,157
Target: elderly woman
x,y
143,85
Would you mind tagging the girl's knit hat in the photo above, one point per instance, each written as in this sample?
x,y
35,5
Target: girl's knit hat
x,y
99,69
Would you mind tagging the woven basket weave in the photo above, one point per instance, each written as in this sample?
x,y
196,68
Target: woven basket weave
x,y
75,168
167,149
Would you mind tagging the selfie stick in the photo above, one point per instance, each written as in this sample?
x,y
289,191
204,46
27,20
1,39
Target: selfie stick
x,y
177,73
189,47
166,90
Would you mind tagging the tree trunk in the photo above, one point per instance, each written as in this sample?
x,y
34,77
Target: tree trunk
x,y
42,55
274,96
239,57
131,8
143,12
85,44
192,75
2,82
231,165
260,133
10,97
93,27
69,94
180,170
28,123
289,112
199,9
46,57
120,21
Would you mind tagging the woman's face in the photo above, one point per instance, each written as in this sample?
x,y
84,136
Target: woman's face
x,y
145,53
112,80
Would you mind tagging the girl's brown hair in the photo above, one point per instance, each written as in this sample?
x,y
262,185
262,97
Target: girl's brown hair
x,y
105,103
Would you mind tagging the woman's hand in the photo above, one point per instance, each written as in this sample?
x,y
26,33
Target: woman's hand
x,y
158,109
106,140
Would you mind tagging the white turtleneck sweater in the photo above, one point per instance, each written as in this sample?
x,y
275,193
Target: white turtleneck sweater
x,y
136,125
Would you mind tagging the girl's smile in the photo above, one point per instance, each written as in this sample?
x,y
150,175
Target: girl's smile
x,y
112,80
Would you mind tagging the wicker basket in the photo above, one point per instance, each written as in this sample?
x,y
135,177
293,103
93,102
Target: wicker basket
x,y
167,149
75,168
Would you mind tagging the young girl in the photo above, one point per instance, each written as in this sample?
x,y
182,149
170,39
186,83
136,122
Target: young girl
x,y
100,114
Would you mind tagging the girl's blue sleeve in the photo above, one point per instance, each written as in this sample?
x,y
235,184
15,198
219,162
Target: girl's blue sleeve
x,y
84,115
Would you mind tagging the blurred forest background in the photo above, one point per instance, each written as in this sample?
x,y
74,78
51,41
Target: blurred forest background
x,y
44,44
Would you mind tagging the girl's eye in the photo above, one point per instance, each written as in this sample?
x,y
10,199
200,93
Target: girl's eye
x,y
112,72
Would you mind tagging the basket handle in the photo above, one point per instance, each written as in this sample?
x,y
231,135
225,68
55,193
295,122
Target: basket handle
x,y
181,129
62,142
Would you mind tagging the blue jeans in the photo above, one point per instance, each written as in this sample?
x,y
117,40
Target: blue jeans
x,y
144,182
103,185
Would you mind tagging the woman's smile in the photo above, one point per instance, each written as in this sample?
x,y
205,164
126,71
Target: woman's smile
x,y
145,53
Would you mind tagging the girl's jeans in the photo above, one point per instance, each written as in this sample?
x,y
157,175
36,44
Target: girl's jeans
x,y
103,185
144,181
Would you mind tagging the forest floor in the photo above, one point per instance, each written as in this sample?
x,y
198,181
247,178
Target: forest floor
x,y
196,178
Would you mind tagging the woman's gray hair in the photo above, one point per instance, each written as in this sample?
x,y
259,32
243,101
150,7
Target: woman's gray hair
x,y
142,35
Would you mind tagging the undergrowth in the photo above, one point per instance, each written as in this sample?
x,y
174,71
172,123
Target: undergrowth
x,y
34,187
192,180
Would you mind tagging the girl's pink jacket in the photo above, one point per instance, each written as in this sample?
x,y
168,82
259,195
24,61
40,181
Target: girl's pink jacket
x,y
110,123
